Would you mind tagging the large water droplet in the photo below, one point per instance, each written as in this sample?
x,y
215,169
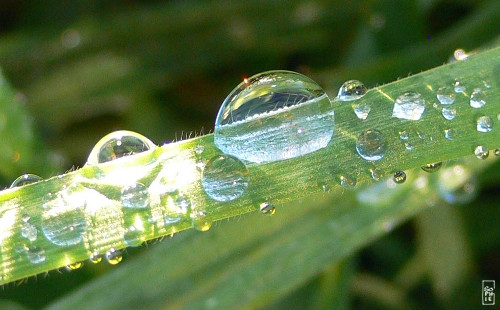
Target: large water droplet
x,y
481,152
63,219
450,134
371,145
484,124
399,177
432,167
446,95
457,184
351,90
119,144
477,98
225,178
113,256
267,208
25,179
449,113
362,110
409,106
274,115
135,196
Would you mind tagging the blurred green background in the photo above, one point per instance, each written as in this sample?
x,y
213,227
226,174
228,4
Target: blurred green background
x,y
78,70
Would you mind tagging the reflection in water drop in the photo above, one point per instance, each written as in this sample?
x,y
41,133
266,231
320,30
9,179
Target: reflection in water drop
x,y
273,116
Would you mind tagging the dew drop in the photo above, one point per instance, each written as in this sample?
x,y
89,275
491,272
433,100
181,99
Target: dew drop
x,y
409,106
458,87
449,113
200,221
74,266
351,90
477,98
446,95
484,124
135,196
267,208
403,135
225,178
113,256
35,255
371,145
457,185
348,182
399,177
95,258
119,144
273,116
408,146
25,179
362,110
432,167
376,174
450,134
481,152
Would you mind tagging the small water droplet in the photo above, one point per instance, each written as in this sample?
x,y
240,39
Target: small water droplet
x,y
267,208
459,88
362,110
481,152
487,84
29,231
460,55
370,145
74,266
135,196
403,135
446,95
273,116
409,106
113,256
325,187
450,134
95,258
351,90
35,255
477,98
484,124
399,177
376,174
408,146
119,144
199,149
497,152
25,179
457,184
449,113
225,178
432,167
348,182
200,221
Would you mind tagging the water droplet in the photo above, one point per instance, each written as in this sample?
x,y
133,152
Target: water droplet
x,y
135,196
325,187
484,124
399,177
409,106
25,179
446,95
29,231
35,254
95,258
408,146
487,84
267,208
376,174
456,184
450,134
200,221
449,113
134,235
273,116
459,88
371,145
199,149
351,90
477,98
74,266
63,219
497,152
113,256
403,135
460,55
481,152
119,144
432,167
347,181
225,178
362,110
